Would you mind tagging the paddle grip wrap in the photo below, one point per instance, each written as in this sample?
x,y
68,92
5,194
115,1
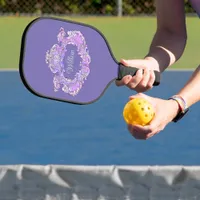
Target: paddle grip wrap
x,y
123,71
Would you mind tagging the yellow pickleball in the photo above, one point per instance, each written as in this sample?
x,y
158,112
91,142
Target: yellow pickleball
x,y
138,111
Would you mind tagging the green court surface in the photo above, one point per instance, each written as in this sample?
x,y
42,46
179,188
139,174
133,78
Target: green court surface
x,y
128,38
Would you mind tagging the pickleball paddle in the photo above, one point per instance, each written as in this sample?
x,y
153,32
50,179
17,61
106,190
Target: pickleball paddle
x,y
68,61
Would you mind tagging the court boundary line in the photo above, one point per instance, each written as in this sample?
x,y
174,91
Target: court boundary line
x,y
175,70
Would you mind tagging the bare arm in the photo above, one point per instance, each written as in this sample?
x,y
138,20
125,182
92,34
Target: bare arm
x,y
166,48
170,38
169,42
190,92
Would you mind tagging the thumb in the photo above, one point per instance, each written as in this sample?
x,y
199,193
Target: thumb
x,y
132,63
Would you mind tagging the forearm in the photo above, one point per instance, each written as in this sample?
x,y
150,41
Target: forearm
x,y
169,40
191,91
167,48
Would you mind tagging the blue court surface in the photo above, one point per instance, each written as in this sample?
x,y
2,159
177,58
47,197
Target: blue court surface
x,y
41,131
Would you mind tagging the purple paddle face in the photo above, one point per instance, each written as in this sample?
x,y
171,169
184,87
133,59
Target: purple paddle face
x,y
66,61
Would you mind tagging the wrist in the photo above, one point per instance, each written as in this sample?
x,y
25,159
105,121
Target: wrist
x,y
163,56
175,107
181,107
154,63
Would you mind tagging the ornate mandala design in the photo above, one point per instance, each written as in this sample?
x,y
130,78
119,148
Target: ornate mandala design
x,y
55,60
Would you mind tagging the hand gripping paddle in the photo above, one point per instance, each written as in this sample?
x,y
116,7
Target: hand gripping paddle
x,y
68,61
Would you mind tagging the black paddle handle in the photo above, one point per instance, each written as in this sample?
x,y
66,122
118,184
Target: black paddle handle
x,y
123,71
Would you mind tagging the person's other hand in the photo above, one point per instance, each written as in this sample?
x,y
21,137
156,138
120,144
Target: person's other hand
x,y
165,112
144,78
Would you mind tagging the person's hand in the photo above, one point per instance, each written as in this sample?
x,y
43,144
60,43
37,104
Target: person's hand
x,y
141,82
165,112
